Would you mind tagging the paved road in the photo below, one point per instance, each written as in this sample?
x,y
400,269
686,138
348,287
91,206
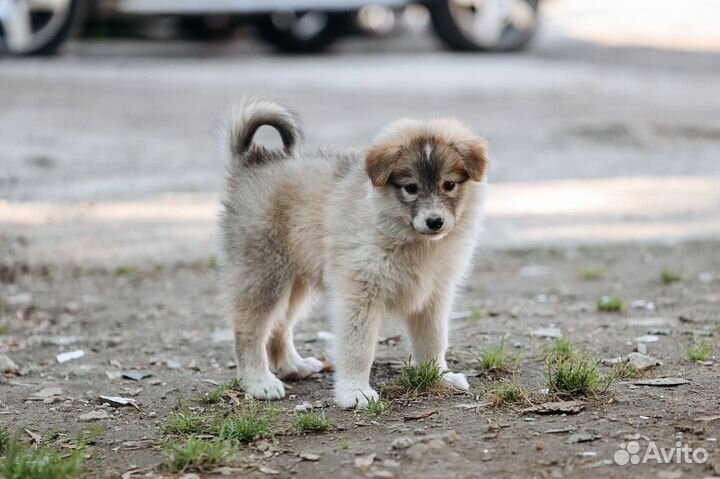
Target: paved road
x,y
122,123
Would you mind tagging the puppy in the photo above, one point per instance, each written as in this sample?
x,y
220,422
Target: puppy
x,y
388,233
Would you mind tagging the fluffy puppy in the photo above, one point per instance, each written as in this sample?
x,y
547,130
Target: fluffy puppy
x,y
388,233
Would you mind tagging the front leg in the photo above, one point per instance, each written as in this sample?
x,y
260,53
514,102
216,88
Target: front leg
x,y
357,323
428,329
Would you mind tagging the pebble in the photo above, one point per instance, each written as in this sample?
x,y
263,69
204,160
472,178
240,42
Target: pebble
x,y
46,393
304,407
642,361
402,442
94,416
7,365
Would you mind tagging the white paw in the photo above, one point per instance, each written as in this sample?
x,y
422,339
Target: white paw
x,y
264,387
302,368
457,380
353,395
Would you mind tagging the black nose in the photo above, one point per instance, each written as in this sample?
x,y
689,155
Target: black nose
x,y
434,223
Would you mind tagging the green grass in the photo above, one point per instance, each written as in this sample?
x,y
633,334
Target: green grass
x,y
591,274
560,348
312,421
700,350
218,394
379,406
495,358
476,313
610,304
622,370
573,377
421,377
3,329
245,424
184,421
505,392
43,463
668,276
196,454
4,438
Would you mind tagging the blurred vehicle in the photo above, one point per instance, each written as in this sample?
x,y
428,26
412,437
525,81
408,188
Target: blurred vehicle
x,y
41,26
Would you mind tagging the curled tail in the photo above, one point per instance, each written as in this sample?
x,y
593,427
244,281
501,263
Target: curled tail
x,y
253,114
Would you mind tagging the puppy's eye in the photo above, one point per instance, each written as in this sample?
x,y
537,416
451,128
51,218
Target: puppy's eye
x,y
410,189
449,185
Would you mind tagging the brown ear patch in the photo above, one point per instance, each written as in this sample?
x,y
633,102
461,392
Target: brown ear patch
x,y
473,151
380,162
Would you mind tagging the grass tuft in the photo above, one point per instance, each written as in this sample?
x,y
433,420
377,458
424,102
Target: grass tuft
x,y
379,406
622,370
196,454
216,395
505,392
572,377
245,424
700,350
311,421
495,358
42,463
184,421
610,304
560,348
421,377
4,438
476,313
591,274
669,277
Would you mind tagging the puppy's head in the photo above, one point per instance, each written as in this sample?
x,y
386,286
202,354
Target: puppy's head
x,y
423,174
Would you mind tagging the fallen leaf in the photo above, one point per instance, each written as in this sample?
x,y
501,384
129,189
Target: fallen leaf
x,y
419,416
662,382
707,418
37,438
118,401
136,375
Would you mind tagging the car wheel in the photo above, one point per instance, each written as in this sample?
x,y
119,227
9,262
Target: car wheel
x,y
485,25
302,32
37,27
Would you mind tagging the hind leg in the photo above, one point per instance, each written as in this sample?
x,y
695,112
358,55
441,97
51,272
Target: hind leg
x,y
285,359
256,307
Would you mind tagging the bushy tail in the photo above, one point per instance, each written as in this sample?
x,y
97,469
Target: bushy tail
x,y
253,114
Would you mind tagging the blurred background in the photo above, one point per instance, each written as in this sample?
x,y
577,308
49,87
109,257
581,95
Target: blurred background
x,y
603,116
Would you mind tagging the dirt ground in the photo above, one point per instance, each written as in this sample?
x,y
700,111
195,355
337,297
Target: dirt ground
x,y
166,319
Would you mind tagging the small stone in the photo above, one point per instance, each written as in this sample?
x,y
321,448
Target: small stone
x,y
70,355
7,365
642,362
364,462
94,416
417,451
136,375
190,476
46,393
403,442
547,333
304,407
382,474
309,456
583,436
647,338
268,470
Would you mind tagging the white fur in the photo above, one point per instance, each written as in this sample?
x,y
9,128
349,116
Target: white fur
x,y
316,221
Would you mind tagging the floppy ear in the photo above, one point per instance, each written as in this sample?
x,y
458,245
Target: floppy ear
x,y
380,162
474,154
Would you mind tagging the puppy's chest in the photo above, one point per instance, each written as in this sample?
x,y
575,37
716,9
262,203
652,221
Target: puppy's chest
x,y
410,280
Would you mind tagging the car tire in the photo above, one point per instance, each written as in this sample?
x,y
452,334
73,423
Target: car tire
x,y
49,31
281,30
453,29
